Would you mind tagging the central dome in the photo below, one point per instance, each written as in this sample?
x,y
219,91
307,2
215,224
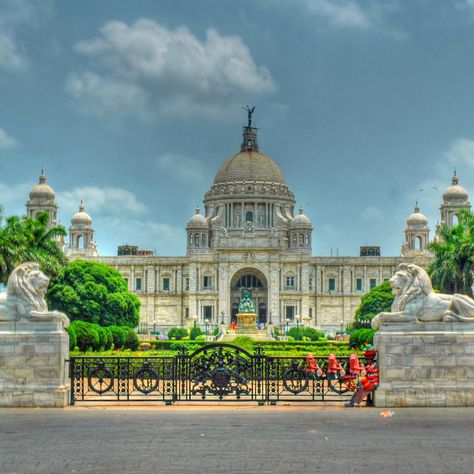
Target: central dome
x,y
249,165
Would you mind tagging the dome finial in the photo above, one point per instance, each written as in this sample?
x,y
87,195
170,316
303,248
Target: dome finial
x,y
249,141
301,210
198,211
455,179
417,206
42,178
81,206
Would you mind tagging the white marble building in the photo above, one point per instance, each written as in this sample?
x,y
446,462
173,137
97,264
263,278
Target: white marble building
x,y
250,236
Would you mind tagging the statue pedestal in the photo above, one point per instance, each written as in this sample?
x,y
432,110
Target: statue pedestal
x,y
246,323
33,370
425,365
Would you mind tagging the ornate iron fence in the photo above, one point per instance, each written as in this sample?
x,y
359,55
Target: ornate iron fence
x,y
217,372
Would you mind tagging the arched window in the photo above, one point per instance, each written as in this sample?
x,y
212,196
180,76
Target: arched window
x,y
203,240
418,243
294,239
307,239
249,281
80,244
301,239
196,240
249,216
190,239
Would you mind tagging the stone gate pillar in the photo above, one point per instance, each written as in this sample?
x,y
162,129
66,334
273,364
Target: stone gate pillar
x,y
33,370
425,364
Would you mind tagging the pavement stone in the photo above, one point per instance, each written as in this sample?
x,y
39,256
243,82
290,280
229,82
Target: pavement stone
x,y
236,439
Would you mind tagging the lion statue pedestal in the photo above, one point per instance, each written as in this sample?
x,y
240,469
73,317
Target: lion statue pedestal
x,y
425,345
34,346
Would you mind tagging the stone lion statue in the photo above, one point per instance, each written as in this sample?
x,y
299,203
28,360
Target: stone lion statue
x,y
415,300
24,298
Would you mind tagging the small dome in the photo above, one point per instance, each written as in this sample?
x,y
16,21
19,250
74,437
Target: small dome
x,y
81,217
301,220
455,192
42,190
417,218
198,220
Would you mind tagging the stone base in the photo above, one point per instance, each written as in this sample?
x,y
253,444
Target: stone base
x,y
33,370
425,365
246,323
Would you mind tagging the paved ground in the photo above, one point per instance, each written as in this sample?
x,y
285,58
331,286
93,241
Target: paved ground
x,y
236,439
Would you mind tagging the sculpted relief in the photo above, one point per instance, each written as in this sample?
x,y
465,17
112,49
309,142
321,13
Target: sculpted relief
x,y
24,299
416,301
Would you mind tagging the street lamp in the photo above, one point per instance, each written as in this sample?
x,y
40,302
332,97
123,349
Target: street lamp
x,y
297,318
342,325
194,319
287,321
222,317
154,327
270,318
207,326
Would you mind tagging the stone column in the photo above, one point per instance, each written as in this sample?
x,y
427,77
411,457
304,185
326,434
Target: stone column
x,y
33,370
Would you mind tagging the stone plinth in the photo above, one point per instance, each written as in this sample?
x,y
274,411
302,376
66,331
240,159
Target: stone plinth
x,y
246,323
425,365
33,364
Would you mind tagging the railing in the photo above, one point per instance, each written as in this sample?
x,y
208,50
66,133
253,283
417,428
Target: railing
x,y
217,372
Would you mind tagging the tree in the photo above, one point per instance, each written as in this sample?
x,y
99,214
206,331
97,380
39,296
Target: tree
x,y
452,270
95,293
378,299
23,239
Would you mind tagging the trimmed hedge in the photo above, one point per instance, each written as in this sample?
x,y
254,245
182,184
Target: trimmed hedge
x,y
89,336
177,333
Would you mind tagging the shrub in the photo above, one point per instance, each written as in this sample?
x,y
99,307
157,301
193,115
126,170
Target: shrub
x,y
201,337
87,336
361,336
103,338
194,332
276,331
215,331
177,333
118,336
72,337
131,339
296,333
313,334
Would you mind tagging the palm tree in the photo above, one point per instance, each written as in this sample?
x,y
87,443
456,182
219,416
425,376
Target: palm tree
x,y
23,239
453,268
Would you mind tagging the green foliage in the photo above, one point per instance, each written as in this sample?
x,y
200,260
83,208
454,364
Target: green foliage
x,y
452,270
308,333
118,336
29,240
95,293
361,336
215,331
87,336
245,342
177,333
131,339
276,331
194,332
72,337
378,299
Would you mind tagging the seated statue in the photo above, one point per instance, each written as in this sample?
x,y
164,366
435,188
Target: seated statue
x,y
24,298
416,301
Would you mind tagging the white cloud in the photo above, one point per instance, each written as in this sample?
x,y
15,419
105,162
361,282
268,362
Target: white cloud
x,y
106,201
10,57
6,141
98,95
177,73
461,154
13,197
371,213
340,13
181,167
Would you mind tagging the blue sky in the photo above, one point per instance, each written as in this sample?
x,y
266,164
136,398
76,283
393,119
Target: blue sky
x,y
133,105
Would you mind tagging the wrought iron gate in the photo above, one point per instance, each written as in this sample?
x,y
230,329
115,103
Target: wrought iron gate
x,y
217,372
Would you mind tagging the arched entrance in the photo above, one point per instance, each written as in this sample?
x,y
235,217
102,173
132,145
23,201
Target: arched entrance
x,y
249,279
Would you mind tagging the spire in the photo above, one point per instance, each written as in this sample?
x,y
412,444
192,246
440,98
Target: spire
x,y
249,140
301,210
42,178
417,206
198,211
81,206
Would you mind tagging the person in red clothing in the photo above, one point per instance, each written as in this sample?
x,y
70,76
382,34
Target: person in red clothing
x,y
369,377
